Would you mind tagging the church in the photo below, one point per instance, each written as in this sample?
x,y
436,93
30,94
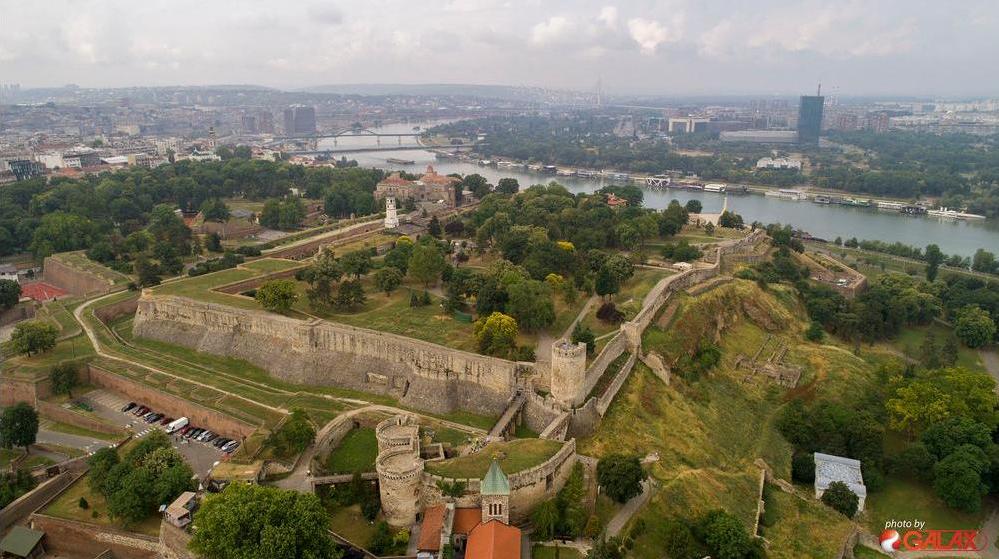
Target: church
x,y
430,187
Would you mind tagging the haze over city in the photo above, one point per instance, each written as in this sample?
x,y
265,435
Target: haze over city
x,y
675,47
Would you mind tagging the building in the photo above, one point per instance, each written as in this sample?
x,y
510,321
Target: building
x,y
181,511
23,543
431,187
25,168
778,163
481,532
391,216
760,136
810,119
299,119
829,468
687,125
8,272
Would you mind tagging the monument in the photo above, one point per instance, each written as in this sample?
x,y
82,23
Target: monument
x,y
391,216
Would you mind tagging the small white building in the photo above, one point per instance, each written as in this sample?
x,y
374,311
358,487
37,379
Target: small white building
x,y
778,163
391,214
829,468
8,272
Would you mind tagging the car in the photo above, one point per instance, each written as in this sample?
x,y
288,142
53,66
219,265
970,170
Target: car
x,y
230,447
220,442
185,429
166,420
141,410
194,434
149,416
127,407
204,436
211,437
155,418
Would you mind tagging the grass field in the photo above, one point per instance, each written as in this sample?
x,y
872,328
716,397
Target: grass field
x,y
74,348
826,528
910,342
7,456
79,261
903,499
79,431
356,453
349,523
864,552
271,265
67,505
514,456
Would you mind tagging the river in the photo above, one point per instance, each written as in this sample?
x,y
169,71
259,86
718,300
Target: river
x,y
826,221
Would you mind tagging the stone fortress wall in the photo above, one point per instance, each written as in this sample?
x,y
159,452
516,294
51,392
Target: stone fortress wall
x,y
421,374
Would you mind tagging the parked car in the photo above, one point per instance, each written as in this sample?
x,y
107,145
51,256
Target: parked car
x,y
141,410
220,442
211,437
176,425
194,434
128,407
230,447
185,429
166,420
204,436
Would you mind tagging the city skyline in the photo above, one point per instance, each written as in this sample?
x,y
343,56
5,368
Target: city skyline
x,y
669,48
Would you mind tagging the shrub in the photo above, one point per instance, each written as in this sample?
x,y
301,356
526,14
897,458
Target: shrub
x,y
608,313
839,497
803,467
83,504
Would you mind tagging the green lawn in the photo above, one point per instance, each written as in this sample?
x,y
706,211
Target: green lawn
x,y
356,453
514,456
547,552
864,552
80,431
79,261
349,523
608,376
67,505
7,456
271,265
911,340
76,347
905,499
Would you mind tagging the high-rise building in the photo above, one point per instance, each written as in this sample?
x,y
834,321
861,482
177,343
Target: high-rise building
x,y
265,122
810,119
299,119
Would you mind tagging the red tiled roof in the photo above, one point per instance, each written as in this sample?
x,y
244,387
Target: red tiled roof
x,y
41,291
493,540
430,531
395,180
465,520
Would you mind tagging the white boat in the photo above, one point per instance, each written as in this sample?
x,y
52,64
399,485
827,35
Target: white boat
x,y
953,214
714,187
787,194
889,205
658,181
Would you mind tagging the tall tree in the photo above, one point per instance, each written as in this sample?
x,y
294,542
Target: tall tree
x,y
426,263
10,293
64,378
33,336
18,426
277,295
934,257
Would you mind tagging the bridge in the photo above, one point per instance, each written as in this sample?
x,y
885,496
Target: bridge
x,y
350,133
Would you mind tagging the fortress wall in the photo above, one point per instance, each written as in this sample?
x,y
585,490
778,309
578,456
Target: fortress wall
x,y
423,375
528,488
77,282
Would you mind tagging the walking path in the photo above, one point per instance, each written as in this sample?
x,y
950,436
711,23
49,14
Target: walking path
x,y
990,358
629,509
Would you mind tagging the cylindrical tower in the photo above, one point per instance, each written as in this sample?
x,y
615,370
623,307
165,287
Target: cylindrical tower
x,y
396,431
568,372
400,470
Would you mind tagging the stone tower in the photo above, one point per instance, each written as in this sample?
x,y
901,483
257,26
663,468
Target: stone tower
x,y
391,217
399,468
495,493
568,372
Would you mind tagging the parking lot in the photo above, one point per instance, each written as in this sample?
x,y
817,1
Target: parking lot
x,y
108,405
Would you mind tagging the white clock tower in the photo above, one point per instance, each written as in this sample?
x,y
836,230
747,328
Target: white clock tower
x,y
391,217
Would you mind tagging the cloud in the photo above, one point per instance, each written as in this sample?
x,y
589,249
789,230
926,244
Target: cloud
x,y
550,31
649,34
326,14
608,17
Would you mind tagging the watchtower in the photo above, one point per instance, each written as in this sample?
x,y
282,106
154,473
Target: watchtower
x,y
568,372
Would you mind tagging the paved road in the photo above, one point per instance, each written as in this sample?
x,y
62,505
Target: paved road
x,y
629,509
86,444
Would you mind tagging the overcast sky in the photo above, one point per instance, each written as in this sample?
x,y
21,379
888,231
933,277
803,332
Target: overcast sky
x,y
671,47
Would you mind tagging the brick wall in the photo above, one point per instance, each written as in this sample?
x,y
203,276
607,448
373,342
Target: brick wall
x,y
171,405
109,313
58,413
34,499
75,281
13,391
80,539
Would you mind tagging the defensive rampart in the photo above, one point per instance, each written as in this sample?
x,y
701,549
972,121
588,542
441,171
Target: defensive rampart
x,y
421,374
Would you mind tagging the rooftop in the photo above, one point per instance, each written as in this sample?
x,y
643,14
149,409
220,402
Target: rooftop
x,y
430,530
495,482
829,468
21,541
493,540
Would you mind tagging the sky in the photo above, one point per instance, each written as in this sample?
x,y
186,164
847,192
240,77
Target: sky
x,y
668,47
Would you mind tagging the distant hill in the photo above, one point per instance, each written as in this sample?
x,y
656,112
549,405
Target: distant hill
x,y
468,90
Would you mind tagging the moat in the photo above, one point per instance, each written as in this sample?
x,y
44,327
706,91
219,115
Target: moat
x,y
820,220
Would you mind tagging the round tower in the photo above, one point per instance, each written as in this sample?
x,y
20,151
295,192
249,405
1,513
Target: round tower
x,y
400,472
568,372
396,431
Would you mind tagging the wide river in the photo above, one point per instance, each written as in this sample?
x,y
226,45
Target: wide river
x,y
826,221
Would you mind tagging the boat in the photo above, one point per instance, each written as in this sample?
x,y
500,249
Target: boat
x,y
913,210
714,187
549,170
397,161
787,194
658,182
859,202
953,214
820,199
889,205
586,174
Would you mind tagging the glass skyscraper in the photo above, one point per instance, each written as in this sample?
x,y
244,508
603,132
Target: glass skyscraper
x,y
810,119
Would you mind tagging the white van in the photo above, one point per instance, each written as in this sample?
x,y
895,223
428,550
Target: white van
x,y
177,424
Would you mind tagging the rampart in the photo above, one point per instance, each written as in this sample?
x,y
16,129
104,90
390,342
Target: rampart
x,y
58,413
77,282
33,500
421,374
68,538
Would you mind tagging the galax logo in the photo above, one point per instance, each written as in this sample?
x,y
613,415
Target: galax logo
x,y
912,535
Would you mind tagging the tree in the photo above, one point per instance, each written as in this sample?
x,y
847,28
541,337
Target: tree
x,y
64,378
724,535
815,333
839,497
944,437
285,213
583,334
620,476
545,518
18,426
693,206
277,295
10,293
426,263
33,336
350,294
147,272
496,333
974,326
214,209
213,242
958,478
606,549
256,521
939,394
803,467
356,263
388,279
731,220
434,228
531,304
294,435
984,261
507,186
933,257
477,184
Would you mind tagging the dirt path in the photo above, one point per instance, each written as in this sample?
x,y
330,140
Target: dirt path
x,y
990,358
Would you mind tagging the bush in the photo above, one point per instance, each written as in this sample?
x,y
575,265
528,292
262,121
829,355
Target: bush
x,y
620,476
249,250
839,497
608,313
370,508
83,504
914,462
583,334
803,467
815,333
524,353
